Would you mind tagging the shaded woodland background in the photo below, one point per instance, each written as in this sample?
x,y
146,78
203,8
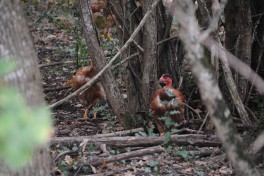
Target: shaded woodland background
x,y
60,36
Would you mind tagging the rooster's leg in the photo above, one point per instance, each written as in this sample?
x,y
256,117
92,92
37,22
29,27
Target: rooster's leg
x,y
94,115
161,129
85,115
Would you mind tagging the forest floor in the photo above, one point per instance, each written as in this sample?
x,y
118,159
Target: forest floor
x,y
55,28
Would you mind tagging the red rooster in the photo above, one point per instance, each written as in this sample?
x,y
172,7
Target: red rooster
x,y
92,96
167,102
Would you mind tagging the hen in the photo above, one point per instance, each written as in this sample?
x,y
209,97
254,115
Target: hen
x,y
92,96
102,17
167,102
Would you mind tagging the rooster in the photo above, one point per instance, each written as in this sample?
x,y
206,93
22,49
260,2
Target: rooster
x,y
167,102
92,96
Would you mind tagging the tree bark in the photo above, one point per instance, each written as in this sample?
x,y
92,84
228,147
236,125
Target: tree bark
x,y
16,46
149,64
113,93
132,141
239,37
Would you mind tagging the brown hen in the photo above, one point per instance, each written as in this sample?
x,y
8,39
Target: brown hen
x,y
167,102
102,17
92,96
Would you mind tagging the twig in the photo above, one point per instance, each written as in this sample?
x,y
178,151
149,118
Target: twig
x,y
62,154
242,68
187,130
205,119
193,110
257,69
142,152
126,59
252,113
123,23
55,63
77,172
106,173
188,102
167,39
96,77
120,133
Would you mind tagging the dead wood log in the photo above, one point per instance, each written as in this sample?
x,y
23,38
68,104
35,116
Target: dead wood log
x,y
142,152
120,133
188,139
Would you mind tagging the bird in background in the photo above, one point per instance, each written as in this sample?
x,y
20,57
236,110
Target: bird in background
x,y
92,96
166,102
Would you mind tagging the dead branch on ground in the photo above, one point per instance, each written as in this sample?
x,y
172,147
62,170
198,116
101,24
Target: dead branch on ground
x,y
127,155
188,139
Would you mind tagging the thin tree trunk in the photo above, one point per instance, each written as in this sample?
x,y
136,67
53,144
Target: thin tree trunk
x,y
239,37
108,81
205,20
16,45
210,92
149,77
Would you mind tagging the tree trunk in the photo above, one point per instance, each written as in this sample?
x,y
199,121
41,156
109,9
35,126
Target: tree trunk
x,y
149,64
113,93
16,45
258,33
239,37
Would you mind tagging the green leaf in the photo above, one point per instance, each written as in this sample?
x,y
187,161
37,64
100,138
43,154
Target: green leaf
x,y
174,112
153,163
169,149
164,102
184,154
175,103
147,170
74,148
170,94
74,167
167,137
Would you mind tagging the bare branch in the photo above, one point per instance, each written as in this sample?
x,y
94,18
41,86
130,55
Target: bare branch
x,y
242,68
214,21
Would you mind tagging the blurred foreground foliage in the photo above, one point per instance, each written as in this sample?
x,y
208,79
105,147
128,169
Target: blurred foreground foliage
x,y
22,129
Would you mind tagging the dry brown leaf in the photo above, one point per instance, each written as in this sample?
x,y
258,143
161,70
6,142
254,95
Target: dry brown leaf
x,y
68,160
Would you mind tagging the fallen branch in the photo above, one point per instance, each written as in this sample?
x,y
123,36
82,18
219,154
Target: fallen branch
x,y
120,133
188,139
142,152
96,78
